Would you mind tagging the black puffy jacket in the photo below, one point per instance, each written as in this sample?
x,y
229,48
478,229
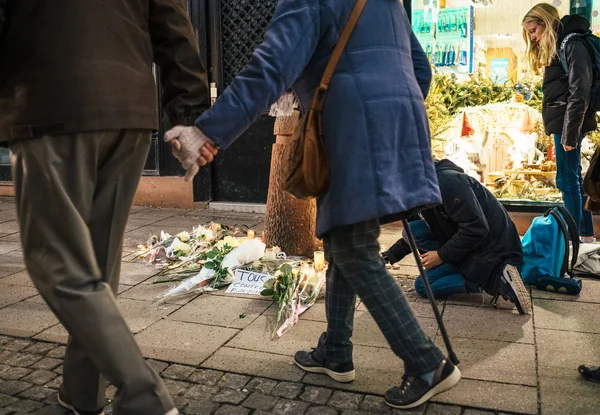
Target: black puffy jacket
x,y
565,107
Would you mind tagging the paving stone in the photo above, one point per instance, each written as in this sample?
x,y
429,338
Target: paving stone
x,y
3,368
345,400
206,376
55,383
37,393
59,370
201,393
40,377
478,412
13,294
262,385
6,400
22,359
287,390
288,407
269,365
375,403
436,409
479,394
178,342
321,410
316,395
564,391
14,373
47,363
157,365
176,387
41,348
419,410
232,396
24,405
200,408
177,372
53,409
17,345
234,381
221,311
13,387
58,353
231,410
26,318
261,402
355,412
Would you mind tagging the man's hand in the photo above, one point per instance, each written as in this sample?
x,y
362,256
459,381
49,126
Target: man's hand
x,y
191,147
431,260
568,148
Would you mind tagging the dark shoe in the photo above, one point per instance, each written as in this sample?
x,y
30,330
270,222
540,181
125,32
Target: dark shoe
x,y
415,391
65,402
340,372
589,372
512,289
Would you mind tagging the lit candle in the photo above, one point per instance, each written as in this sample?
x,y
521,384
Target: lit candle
x,y
251,233
262,236
319,260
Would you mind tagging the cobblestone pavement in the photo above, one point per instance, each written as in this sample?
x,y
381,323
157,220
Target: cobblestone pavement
x,y
216,352
30,374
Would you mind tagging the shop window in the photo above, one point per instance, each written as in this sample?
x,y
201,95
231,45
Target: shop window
x,y
484,105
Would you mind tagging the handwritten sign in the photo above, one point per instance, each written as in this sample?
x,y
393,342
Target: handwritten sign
x,y
247,282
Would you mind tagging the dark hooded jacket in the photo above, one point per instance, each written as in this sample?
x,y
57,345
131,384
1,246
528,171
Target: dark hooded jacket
x,y
565,108
474,229
78,65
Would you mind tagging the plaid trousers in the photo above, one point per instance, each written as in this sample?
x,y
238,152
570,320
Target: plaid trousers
x,y
356,268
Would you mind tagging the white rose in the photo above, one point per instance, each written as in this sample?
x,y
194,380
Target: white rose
x,y
183,236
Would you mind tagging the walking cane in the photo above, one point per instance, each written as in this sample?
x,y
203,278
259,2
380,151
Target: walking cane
x,y
429,291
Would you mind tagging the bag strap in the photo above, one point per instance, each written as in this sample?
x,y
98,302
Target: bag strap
x,y
319,98
563,228
573,233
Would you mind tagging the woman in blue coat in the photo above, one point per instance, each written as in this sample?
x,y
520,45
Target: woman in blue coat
x,y
377,142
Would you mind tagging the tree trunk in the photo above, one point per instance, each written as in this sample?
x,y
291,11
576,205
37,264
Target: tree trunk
x,y
290,223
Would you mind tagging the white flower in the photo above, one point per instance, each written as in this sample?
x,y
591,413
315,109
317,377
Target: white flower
x,y
182,247
215,227
183,236
164,236
228,240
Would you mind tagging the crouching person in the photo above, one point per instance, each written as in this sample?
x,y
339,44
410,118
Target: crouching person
x,y
469,243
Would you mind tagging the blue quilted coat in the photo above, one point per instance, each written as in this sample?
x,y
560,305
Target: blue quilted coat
x,y
374,120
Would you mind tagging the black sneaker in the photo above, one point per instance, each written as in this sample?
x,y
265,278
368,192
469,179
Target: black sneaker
x,y
589,372
415,391
340,372
512,289
65,402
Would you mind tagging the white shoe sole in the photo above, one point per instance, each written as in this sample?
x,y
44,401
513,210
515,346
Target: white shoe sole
x,y
448,383
69,407
512,277
345,377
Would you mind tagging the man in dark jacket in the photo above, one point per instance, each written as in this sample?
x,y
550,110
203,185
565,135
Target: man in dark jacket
x,y
468,241
77,108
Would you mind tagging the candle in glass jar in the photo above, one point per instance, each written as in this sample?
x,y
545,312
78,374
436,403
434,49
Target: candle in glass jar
x,y
251,233
319,260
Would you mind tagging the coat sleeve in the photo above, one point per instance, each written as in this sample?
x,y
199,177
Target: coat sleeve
x,y
288,46
462,207
580,84
421,64
183,76
2,14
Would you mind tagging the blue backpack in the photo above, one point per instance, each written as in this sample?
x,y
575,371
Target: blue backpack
x,y
546,252
592,43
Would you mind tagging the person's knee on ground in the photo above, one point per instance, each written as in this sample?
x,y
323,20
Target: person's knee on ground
x,y
448,285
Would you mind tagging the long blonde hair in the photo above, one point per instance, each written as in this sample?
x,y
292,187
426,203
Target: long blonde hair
x,y
541,53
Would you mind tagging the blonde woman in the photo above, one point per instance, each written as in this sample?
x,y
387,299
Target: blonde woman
x,y
565,109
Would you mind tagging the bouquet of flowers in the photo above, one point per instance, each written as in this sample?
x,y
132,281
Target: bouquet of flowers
x,y
295,287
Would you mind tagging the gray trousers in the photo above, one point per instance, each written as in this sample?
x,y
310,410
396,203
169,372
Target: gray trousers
x,y
73,194
355,267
